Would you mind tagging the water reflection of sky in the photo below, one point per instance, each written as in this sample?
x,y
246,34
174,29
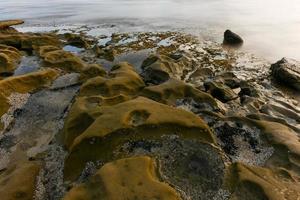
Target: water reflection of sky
x,y
270,27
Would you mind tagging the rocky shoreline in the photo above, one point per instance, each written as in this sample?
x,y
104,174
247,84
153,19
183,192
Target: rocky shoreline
x,y
153,115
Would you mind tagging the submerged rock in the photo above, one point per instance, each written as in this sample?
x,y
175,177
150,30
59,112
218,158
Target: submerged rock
x,y
287,71
231,38
131,178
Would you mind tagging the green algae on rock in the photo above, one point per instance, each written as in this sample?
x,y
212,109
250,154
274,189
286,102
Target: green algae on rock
x,y
252,183
24,84
9,58
122,79
64,60
19,182
7,23
130,120
28,41
130,178
173,90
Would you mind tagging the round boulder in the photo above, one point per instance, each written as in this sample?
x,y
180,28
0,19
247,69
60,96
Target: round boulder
x,y
231,38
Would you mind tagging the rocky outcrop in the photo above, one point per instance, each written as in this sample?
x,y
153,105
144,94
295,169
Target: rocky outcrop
x,y
8,23
131,178
287,71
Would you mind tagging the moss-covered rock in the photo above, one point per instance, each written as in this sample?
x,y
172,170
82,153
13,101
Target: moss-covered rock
x,y
9,58
24,84
91,71
105,53
286,144
28,41
43,50
19,182
173,90
281,138
7,23
122,79
76,40
84,112
134,119
159,68
252,183
64,60
131,178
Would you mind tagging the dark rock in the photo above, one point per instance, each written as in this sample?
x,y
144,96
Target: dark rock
x,y
248,91
155,76
231,38
287,72
220,91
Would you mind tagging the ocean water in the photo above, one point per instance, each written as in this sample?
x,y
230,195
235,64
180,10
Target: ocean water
x,y
270,27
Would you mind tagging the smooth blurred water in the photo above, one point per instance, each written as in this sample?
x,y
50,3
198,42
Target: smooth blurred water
x,y
270,27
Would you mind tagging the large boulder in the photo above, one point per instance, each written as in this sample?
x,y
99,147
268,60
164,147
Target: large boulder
x,y
231,38
287,71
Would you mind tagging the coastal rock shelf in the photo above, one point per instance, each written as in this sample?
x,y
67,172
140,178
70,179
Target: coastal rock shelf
x,y
144,116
